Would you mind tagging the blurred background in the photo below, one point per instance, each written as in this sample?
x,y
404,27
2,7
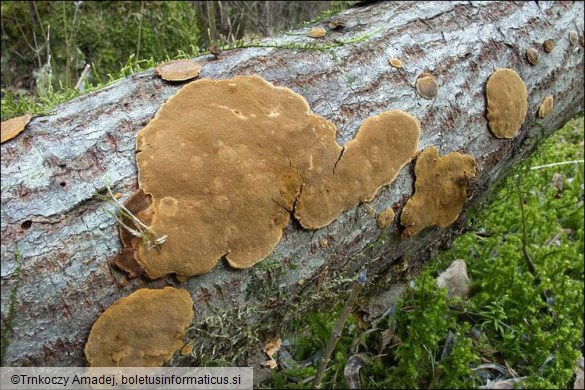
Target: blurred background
x,y
47,45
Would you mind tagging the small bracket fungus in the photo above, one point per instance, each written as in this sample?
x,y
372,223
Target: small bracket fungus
x,y
507,102
385,218
179,70
14,126
546,107
427,86
317,32
143,329
226,172
573,37
455,279
548,45
532,56
215,50
440,190
395,62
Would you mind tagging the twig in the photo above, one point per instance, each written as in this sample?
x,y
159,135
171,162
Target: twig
x,y
80,86
338,328
557,164
527,258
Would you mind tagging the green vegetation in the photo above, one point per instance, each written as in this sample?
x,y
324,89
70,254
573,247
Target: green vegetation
x,y
513,320
55,51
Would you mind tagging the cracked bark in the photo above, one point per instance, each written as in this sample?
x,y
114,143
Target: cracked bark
x,y
64,238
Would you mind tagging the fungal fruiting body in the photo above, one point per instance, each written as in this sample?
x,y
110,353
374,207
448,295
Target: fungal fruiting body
x,y
12,127
385,218
532,56
226,162
395,62
143,329
548,45
546,107
507,103
179,70
427,86
317,32
440,190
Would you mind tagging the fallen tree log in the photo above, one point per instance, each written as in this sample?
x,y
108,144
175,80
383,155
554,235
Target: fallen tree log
x,y
58,239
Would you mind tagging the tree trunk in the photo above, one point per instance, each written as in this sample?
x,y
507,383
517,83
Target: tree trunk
x,y
57,239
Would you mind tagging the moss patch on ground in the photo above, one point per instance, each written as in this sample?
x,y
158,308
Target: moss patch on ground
x,y
515,323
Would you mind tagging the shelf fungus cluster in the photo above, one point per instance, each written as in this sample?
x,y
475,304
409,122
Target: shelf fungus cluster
x,y
507,103
143,329
225,163
440,190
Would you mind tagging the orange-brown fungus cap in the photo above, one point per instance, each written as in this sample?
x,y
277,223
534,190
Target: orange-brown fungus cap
x,y
548,45
385,218
12,127
179,70
507,102
226,162
427,86
143,329
532,56
317,32
546,107
395,62
440,190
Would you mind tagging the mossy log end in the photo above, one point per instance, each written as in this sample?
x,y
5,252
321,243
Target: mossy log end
x,y
58,240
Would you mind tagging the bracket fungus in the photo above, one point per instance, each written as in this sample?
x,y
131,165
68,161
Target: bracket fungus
x,y
507,102
14,126
546,107
179,70
317,32
396,63
427,86
385,218
548,45
143,329
440,190
225,173
532,56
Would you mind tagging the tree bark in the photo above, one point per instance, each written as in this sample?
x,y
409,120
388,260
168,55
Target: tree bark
x,y
57,238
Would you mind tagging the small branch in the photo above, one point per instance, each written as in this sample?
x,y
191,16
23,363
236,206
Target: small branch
x,y
557,164
338,328
527,257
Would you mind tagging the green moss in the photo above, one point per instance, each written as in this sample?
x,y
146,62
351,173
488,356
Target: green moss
x,y
533,324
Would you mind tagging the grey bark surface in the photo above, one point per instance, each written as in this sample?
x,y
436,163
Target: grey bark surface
x,y
58,239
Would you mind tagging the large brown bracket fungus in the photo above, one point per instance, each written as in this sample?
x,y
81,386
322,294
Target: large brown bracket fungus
x,y
225,163
440,190
143,329
507,102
